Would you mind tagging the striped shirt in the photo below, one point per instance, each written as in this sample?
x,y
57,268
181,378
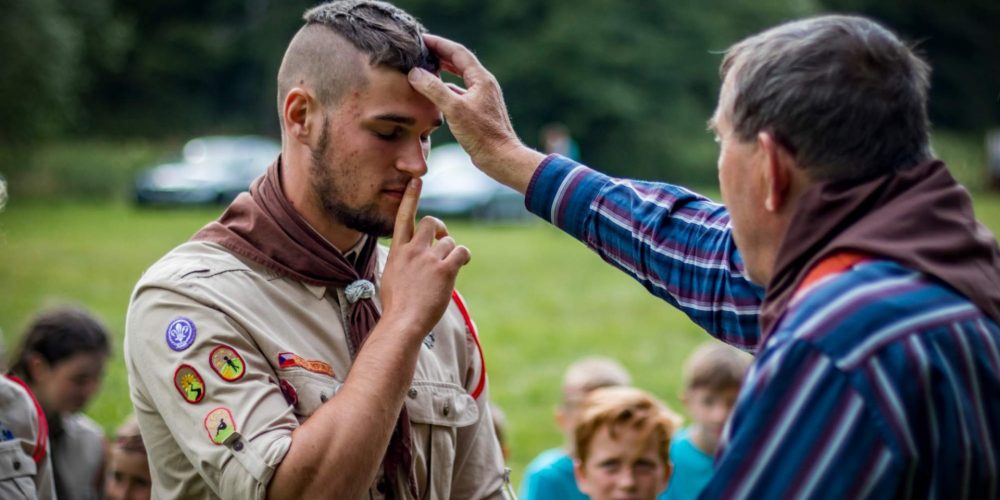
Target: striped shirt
x,y
879,382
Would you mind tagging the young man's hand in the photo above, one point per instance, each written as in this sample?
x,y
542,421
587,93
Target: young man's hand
x,y
420,274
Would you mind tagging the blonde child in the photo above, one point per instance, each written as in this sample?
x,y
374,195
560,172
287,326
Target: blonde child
x,y
550,474
622,441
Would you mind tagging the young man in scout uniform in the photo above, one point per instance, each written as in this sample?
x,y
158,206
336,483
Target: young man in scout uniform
x,y
877,337
281,353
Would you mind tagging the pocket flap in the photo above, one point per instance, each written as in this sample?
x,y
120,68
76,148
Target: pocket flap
x,y
14,462
441,403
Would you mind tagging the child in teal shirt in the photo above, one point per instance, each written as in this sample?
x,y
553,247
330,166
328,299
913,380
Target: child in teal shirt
x,y
712,378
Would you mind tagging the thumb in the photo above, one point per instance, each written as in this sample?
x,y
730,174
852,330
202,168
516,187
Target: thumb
x,y
431,87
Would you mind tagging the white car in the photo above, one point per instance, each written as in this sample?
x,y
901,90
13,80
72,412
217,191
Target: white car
x,y
454,187
212,170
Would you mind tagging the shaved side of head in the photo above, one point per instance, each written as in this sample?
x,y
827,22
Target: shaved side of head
x,y
323,62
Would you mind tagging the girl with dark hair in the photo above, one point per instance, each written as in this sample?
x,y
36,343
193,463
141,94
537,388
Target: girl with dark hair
x,y
62,359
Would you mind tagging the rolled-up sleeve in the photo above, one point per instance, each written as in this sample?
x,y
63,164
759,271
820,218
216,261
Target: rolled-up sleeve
x,y
208,402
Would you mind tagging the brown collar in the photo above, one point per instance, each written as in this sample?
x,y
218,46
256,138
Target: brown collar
x,y
920,218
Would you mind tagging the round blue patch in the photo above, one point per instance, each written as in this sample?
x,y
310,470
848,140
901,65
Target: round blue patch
x,y
180,334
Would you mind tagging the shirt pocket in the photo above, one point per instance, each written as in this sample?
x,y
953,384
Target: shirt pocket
x,y
306,391
437,410
17,472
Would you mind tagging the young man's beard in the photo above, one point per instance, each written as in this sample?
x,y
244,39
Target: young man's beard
x,y
365,218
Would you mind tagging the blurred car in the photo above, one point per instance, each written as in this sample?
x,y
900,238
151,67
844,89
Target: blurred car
x,y
212,169
454,187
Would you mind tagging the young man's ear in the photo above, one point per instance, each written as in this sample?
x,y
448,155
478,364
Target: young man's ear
x,y
299,114
778,173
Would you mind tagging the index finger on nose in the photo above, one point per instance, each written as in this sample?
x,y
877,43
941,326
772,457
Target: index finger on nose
x,y
403,231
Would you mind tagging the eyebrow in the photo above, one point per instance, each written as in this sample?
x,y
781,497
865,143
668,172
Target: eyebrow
x,y
404,120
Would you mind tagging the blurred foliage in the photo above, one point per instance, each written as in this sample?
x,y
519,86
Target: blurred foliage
x,y
634,81
961,40
90,169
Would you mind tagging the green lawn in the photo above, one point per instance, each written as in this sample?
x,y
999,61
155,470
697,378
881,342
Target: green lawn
x,y
539,298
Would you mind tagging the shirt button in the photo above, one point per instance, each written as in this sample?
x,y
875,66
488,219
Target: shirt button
x,y
238,446
323,397
446,410
17,465
412,393
380,485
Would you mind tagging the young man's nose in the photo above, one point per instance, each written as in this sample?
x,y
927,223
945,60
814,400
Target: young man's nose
x,y
413,159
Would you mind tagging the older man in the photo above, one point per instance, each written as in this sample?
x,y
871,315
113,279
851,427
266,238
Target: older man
x,y
876,333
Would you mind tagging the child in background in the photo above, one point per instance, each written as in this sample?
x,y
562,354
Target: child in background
x,y
62,359
622,438
550,474
128,477
713,374
25,466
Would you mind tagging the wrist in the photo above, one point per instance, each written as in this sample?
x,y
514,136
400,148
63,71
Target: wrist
x,y
400,328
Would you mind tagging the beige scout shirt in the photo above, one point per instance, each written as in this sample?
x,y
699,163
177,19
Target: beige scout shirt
x,y
225,358
20,477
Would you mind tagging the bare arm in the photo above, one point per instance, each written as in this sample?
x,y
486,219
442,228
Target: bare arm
x,y
339,448
477,114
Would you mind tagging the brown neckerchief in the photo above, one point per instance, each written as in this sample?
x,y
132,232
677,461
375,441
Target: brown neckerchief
x,y
920,218
264,227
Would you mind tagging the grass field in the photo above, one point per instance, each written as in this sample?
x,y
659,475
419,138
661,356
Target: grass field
x,y
540,299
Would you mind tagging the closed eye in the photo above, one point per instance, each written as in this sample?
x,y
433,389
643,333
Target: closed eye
x,y
392,135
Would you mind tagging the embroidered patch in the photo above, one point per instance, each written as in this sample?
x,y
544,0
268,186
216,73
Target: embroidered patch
x,y
180,334
288,390
5,433
227,363
429,340
189,383
292,360
220,424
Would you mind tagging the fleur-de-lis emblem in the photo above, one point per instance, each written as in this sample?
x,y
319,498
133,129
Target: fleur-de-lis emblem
x,y
181,333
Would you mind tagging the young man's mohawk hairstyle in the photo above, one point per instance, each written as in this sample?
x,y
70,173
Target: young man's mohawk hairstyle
x,y
389,35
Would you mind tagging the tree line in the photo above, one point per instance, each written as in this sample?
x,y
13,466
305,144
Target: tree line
x,y
634,81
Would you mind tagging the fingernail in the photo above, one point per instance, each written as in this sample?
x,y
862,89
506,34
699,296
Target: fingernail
x,y
417,74
414,183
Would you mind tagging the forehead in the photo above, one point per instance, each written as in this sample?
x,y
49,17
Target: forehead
x,y
705,391
82,362
628,444
387,92
720,119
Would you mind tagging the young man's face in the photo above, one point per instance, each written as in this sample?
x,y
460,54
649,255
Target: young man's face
x,y
374,141
710,408
625,467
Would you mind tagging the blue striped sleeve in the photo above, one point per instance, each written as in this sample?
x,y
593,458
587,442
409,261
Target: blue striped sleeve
x,y
676,243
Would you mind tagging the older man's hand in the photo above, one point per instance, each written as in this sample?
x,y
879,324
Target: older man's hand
x,y
477,114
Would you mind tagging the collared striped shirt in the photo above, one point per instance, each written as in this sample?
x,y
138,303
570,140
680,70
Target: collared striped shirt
x,y
879,382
